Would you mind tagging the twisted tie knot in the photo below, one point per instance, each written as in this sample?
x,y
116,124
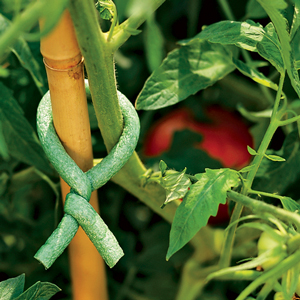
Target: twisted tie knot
x,y
78,211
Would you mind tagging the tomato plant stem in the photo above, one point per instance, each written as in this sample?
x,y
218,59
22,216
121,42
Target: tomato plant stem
x,y
100,68
260,207
274,124
227,248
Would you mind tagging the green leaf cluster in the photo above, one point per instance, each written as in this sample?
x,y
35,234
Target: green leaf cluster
x,y
12,289
19,137
176,184
184,72
106,9
201,202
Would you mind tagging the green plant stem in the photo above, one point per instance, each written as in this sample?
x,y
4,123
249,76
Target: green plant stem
x,y
289,121
293,243
230,234
100,68
259,193
124,30
278,98
226,253
274,273
114,23
259,207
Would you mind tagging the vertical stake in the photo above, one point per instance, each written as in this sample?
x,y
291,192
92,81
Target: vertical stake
x,y
64,66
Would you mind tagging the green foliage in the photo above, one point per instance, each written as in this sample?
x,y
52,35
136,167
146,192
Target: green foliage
x,y
254,10
254,74
201,202
22,51
106,9
12,289
274,9
176,184
247,35
22,142
201,63
185,71
290,204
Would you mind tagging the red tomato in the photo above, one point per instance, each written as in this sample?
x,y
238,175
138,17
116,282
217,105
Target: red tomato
x,y
225,138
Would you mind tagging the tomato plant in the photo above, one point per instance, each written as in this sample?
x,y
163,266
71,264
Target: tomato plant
x,y
185,50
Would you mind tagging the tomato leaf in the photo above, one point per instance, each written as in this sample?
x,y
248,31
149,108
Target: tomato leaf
x,y
254,10
184,72
162,167
274,157
106,9
176,185
274,10
290,204
3,145
20,138
254,74
251,151
246,169
12,288
296,19
201,202
248,35
39,291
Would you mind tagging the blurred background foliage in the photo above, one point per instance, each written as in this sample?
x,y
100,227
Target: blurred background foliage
x,y
30,204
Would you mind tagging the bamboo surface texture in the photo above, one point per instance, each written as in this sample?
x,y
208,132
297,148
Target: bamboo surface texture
x,y
64,68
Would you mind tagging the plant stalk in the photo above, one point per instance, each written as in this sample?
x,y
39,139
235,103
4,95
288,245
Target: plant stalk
x,y
230,234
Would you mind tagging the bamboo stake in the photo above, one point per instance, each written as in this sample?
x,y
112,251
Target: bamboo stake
x,y
64,68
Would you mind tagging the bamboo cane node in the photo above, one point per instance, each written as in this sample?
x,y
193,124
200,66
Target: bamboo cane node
x,y
63,69
78,212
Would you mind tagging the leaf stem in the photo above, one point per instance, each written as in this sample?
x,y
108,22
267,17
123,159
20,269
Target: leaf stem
x,y
289,121
259,193
278,97
124,30
259,207
227,249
